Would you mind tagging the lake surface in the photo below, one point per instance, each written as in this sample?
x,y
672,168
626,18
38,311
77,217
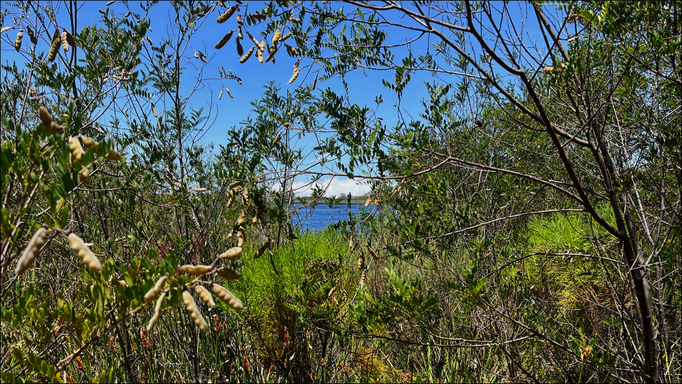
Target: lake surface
x,y
322,216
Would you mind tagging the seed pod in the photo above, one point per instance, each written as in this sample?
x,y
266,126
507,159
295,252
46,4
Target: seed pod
x,y
34,39
228,274
17,41
277,139
52,53
235,184
84,253
196,270
363,276
224,40
53,128
5,29
122,283
239,33
361,261
220,96
45,116
241,238
241,219
89,142
315,82
231,199
154,110
369,200
291,50
254,220
157,312
294,75
240,50
31,251
259,55
223,18
247,55
239,20
65,44
76,149
84,176
194,311
262,249
227,297
253,39
205,295
229,93
111,2
231,253
245,197
156,289
288,35
293,20
113,155
276,36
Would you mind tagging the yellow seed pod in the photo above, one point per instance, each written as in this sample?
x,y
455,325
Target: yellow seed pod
x,y
277,139
259,55
69,39
247,55
241,238
369,200
113,155
239,20
227,297
196,270
231,200
84,253
220,96
157,312
235,184
53,128
17,41
44,115
293,20
276,36
5,29
254,220
76,149
154,111
253,39
239,33
84,176
223,18
31,251
294,75
52,53
288,35
361,261
156,289
224,40
240,49
242,218
65,44
228,274
194,311
231,253
245,197
89,142
229,93
363,276
205,295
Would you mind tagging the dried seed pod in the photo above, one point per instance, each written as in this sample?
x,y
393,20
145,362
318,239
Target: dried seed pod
x,y
231,253
315,82
245,197
369,200
242,218
122,283
110,2
228,274
220,96
34,39
229,93
247,55
224,40
31,251
227,297
205,295
156,289
235,184
240,49
113,155
69,38
5,29
262,249
65,44
194,311
240,35
361,261
84,176
76,149
239,20
89,142
276,36
259,55
254,220
157,312
196,270
293,20
154,111
288,35
294,75
223,18
230,201
253,39
84,253
53,128
291,50
17,41
363,276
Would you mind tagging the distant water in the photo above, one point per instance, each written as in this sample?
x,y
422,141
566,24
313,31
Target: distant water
x,y
322,216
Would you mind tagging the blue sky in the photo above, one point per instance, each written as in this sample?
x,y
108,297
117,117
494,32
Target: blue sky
x,y
364,86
